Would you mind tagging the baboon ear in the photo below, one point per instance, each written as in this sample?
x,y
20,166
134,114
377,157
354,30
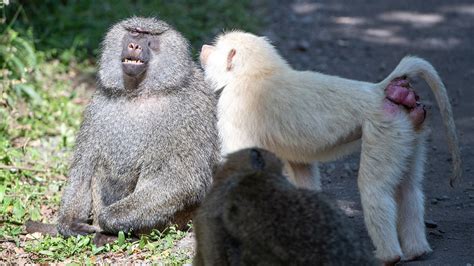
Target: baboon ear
x,y
230,56
256,159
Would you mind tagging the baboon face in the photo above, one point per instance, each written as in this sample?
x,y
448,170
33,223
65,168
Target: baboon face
x,y
143,54
137,48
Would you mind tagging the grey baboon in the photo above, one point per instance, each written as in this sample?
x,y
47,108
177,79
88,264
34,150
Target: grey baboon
x,y
148,143
254,216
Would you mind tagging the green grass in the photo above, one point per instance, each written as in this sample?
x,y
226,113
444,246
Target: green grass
x,y
48,51
157,246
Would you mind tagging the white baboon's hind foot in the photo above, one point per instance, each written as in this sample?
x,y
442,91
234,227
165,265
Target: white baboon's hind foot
x,y
414,243
392,262
380,218
382,163
417,254
411,227
410,199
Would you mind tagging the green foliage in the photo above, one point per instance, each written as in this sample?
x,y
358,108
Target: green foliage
x,y
156,246
18,61
75,27
16,54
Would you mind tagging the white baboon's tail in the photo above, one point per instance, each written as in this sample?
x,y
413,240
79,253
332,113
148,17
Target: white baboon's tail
x,y
411,66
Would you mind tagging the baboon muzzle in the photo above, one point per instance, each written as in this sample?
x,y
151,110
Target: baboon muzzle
x,y
135,57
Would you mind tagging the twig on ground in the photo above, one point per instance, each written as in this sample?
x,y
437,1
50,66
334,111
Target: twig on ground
x,y
21,168
10,222
7,240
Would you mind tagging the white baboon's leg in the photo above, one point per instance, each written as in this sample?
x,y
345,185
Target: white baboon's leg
x,y
411,226
386,146
304,175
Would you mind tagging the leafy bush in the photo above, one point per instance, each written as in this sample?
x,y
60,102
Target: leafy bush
x,y
16,53
77,26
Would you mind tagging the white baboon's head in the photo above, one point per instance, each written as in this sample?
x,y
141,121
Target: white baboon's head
x,y
239,55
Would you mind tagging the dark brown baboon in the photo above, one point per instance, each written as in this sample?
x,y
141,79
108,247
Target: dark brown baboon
x,y
254,216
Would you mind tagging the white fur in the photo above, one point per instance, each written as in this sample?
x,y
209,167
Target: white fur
x,y
305,116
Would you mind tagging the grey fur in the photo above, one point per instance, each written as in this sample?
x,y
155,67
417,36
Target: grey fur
x,y
254,216
144,155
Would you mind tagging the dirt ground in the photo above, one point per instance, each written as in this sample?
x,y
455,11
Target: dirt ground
x,y
365,40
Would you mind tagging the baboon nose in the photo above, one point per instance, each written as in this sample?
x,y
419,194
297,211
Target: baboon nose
x,y
133,47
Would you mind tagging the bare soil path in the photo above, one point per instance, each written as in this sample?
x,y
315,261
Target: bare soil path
x,y
365,40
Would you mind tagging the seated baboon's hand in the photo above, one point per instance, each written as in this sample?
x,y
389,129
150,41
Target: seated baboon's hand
x,y
399,92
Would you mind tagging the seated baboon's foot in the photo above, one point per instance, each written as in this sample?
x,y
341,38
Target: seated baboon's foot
x,y
101,239
84,228
77,227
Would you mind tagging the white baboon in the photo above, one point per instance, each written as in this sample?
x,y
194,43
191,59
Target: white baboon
x,y
305,116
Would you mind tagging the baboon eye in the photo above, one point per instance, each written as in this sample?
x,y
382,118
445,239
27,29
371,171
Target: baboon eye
x,y
134,33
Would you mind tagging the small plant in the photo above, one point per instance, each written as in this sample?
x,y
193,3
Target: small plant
x,y
157,246
17,61
16,54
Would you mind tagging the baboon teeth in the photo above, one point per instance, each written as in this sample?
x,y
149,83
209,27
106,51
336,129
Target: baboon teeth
x,y
132,61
